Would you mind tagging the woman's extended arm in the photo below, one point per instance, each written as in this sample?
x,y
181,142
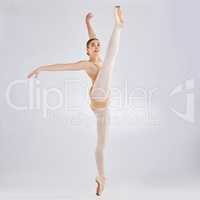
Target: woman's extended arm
x,y
80,65
90,30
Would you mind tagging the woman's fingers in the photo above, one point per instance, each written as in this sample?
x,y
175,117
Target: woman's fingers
x,y
89,16
29,76
35,72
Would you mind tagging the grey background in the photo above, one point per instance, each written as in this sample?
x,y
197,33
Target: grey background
x,y
152,157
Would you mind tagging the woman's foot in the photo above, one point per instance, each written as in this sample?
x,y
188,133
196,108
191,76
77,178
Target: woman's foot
x,y
119,17
100,180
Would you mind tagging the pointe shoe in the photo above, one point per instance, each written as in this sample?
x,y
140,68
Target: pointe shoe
x,y
100,180
119,17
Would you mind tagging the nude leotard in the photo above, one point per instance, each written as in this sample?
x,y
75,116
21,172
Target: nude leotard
x,y
95,104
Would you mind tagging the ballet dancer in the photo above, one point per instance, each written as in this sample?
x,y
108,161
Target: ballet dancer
x,y
100,73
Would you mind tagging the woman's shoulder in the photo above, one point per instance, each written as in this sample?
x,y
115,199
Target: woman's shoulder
x,y
86,63
90,64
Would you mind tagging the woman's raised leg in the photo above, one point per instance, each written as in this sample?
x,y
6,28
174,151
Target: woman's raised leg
x,y
102,84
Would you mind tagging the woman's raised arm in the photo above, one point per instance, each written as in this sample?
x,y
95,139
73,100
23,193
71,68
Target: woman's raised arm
x,y
90,30
80,65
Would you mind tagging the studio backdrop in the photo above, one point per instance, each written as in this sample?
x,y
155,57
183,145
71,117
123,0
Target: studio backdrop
x,y
47,129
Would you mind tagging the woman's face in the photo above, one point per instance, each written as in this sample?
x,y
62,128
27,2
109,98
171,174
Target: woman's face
x,y
94,48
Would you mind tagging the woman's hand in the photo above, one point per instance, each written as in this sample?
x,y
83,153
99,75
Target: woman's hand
x,y
34,72
88,17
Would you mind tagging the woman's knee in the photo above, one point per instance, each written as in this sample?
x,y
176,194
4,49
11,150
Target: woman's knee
x,y
100,147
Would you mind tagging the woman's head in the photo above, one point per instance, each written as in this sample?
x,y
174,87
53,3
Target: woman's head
x,y
93,47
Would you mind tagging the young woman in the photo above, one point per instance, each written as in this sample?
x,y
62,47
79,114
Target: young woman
x,y
100,73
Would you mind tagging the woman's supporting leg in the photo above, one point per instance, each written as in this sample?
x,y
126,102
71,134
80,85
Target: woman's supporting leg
x,y
103,122
102,84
